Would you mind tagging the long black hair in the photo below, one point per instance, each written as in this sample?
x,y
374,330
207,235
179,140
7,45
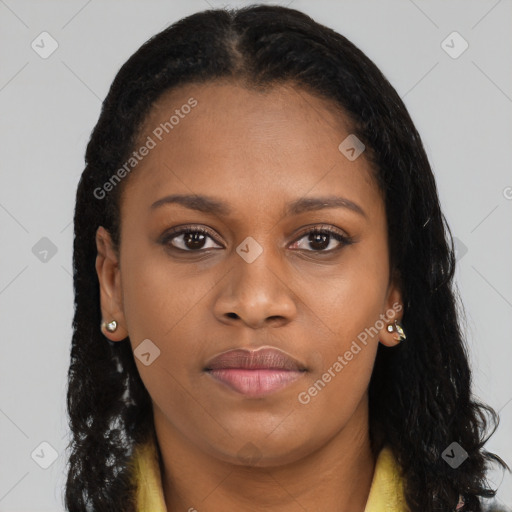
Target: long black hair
x,y
420,391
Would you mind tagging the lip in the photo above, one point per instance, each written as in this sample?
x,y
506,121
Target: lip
x,y
255,373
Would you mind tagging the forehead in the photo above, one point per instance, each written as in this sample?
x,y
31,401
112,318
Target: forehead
x,y
246,143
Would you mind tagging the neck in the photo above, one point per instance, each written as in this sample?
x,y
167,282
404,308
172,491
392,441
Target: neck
x,y
337,475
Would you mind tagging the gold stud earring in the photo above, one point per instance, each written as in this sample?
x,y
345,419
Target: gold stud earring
x,y
397,327
110,327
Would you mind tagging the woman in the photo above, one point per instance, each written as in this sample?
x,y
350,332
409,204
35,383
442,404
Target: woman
x,y
265,315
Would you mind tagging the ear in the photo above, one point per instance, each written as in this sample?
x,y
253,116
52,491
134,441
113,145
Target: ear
x,y
109,276
394,311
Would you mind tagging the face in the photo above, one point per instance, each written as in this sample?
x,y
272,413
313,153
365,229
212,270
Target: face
x,y
197,278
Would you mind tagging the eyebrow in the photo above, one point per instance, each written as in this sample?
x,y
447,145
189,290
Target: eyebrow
x,y
214,206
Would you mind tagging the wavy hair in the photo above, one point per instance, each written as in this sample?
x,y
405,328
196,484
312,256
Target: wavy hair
x,y
420,397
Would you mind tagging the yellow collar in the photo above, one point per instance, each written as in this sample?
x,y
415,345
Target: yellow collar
x,y
386,492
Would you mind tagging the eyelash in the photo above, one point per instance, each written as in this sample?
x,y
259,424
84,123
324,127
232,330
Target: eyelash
x,y
326,230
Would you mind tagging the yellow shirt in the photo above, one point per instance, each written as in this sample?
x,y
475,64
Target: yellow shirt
x,y
386,492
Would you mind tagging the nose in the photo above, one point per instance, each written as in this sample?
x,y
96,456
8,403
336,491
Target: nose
x,y
257,294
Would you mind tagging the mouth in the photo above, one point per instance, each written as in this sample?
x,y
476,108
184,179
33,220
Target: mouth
x,y
255,373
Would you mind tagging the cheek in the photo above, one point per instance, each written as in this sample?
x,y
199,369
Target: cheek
x,y
336,391
164,304
155,308
347,299
343,357
345,311
158,308
156,297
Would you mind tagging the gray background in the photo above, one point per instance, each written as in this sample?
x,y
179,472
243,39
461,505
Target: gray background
x,y
461,106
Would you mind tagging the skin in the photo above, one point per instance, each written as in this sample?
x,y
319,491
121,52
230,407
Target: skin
x,y
256,152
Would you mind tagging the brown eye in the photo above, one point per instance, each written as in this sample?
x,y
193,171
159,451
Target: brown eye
x,y
195,239
320,239
189,239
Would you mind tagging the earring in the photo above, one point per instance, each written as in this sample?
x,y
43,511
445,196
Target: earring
x,y
398,328
110,327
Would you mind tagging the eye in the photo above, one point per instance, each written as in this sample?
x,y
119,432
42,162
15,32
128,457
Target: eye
x,y
189,239
194,239
322,237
